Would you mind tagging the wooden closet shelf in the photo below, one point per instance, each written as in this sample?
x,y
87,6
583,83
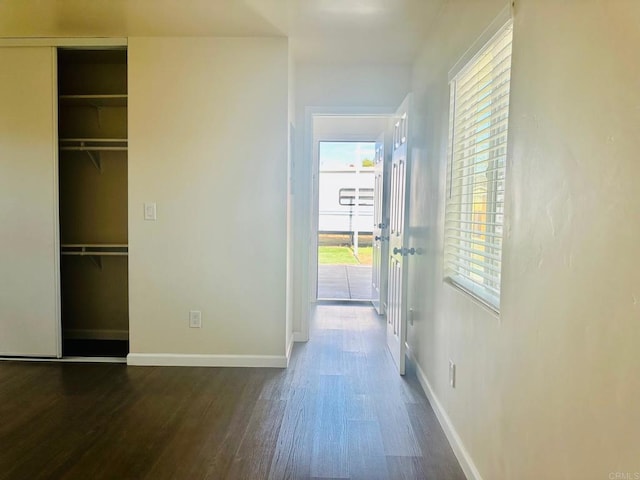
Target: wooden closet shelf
x,y
93,144
101,250
110,100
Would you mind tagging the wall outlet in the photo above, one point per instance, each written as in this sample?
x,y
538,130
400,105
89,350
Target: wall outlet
x,y
452,374
195,319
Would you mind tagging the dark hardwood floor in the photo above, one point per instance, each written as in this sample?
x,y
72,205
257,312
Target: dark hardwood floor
x,y
338,411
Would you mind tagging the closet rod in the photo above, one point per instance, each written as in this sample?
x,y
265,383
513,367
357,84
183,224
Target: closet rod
x,y
93,140
94,245
88,148
96,254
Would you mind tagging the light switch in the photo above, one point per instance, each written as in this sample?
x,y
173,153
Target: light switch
x,y
150,211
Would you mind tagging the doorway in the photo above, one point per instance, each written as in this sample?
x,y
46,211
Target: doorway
x,y
344,149
345,220
391,173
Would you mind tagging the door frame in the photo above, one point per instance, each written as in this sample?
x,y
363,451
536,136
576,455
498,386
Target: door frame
x,y
309,260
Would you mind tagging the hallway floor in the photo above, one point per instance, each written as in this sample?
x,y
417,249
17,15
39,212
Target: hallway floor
x,y
339,411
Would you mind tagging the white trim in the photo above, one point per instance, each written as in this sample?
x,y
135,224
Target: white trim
x,y
56,205
194,360
63,42
466,462
104,334
300,337
492,30
289,349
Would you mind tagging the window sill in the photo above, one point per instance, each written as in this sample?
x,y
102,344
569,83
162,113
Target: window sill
x,y
495,312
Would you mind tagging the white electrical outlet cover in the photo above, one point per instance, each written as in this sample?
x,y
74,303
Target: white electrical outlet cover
x,y
195,319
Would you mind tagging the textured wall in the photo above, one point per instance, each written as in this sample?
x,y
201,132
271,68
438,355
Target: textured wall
x,y
549,388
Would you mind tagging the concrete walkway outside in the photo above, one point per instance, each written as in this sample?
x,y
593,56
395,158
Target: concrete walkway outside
x,y
344,282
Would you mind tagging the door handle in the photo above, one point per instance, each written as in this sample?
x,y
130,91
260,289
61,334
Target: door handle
x,y
381,238
405,252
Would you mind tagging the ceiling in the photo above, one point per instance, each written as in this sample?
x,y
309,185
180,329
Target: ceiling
x,y
365,31
349,128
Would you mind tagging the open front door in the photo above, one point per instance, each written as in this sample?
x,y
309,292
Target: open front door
x,y
396,304
380,232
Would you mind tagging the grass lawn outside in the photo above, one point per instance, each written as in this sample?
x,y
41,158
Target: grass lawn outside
x,y
332,255
328,255
365,255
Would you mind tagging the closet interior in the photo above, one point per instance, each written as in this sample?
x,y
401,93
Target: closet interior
x,y
92,129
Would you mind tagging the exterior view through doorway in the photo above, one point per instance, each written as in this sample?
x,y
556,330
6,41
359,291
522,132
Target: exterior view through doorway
x,y
359,143
345,219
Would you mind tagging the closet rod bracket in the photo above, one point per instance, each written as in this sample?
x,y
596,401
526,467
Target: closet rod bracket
x,y
97,261
95,158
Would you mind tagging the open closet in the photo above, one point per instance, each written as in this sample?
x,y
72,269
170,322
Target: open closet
x,y
92,130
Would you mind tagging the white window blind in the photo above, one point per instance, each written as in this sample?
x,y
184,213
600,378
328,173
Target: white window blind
x,y
476,170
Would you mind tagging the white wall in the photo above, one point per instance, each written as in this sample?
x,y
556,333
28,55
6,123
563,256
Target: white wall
x,y
339,89
550,388
208,143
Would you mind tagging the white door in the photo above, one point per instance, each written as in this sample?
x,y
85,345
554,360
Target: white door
x,y
380,233
396,304
29,299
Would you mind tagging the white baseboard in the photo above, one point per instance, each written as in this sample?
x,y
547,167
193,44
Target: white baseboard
x,y
289,349
461,453
299,337
186,360
90,334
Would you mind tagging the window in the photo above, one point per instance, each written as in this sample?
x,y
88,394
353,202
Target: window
x,y
476,170
347,197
